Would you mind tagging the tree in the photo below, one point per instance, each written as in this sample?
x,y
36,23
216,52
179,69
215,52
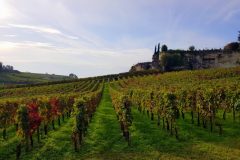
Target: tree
x,y
164,48
9,68
191,48
231,46
168,61
74,76
158,47
239,36
1,66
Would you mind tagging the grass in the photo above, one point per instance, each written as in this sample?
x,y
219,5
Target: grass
x,y
148,141
7,147
47,143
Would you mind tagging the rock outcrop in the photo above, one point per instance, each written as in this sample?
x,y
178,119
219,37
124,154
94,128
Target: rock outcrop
x,y
195,59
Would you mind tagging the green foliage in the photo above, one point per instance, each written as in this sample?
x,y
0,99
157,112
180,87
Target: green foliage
x,y
164,48
79,113
23,120
191,48
171,60
234,46
237,105
239,37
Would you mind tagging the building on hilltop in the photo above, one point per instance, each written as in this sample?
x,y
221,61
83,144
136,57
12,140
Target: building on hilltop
x,y
170,60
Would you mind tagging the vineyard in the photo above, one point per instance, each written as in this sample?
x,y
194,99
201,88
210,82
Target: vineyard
x,y
177,115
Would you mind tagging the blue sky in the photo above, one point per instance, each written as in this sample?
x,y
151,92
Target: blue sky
x,y
96,37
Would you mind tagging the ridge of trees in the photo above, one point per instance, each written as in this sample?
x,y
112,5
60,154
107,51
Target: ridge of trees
x,y
7,68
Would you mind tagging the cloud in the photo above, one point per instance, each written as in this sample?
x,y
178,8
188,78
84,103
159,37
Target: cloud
x,y
42,29
222,11
36,28
10,35
36,56
4,45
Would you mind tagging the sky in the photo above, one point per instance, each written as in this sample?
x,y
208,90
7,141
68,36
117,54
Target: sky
x,y
98,37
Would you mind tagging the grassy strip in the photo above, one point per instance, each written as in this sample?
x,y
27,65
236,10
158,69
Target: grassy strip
x,y
104,136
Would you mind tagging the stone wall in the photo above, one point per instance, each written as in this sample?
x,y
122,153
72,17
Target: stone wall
x,y
216,60
141,67
199,60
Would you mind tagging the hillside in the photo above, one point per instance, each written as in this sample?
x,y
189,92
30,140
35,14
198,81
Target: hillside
x,y
177,115
28,78
10,76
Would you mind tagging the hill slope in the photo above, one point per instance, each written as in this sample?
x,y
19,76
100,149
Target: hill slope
x,y
170,117
28,78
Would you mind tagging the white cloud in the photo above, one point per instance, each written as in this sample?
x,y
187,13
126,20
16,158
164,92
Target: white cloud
x,y
93,61
10,35
42,29
222,11
6,45
36,28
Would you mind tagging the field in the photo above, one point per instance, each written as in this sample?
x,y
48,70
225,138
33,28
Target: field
x,y
177,115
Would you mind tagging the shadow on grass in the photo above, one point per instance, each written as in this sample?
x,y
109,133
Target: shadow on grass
x,y
195,142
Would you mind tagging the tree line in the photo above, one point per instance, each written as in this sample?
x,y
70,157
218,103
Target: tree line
x,y
6,68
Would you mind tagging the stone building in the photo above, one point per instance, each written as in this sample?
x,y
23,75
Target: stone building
x,y
198,59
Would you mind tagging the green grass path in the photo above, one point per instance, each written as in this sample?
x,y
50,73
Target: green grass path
x,y
104,134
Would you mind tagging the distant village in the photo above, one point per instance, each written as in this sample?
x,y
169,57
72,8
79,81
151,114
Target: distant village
x,y
165,59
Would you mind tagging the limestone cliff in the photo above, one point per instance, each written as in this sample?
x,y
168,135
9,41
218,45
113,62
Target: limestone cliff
x,y
196,59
